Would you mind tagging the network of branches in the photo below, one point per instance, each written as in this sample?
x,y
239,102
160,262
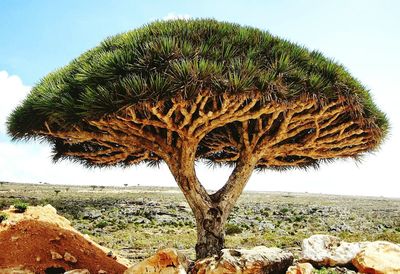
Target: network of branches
x,y
292,134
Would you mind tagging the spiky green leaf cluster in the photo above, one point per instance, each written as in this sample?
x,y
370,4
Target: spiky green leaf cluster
x,y
181,58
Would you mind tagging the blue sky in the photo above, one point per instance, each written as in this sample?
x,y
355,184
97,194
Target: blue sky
x,y
39,36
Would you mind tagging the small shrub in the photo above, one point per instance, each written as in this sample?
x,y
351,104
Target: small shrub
x,y
299,218
148,215
284,210
20,207
3,216
102,224
231,229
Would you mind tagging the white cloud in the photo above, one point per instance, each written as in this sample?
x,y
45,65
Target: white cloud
x,y
12,91
174,16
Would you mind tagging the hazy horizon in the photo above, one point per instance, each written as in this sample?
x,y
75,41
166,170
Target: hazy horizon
x,y
129,188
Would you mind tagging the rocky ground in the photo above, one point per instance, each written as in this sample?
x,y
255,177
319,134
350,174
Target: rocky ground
x,y
135,221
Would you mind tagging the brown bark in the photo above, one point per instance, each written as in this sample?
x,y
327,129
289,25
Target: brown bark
x,y
211,228
228,195
211,211
210,232
209,222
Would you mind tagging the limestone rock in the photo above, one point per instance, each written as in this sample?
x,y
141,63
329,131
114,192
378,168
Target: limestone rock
x,y
301,268
258,260
78,271
378,258
93,214
54,255
69,258
166,261
38,238
325,250
15,270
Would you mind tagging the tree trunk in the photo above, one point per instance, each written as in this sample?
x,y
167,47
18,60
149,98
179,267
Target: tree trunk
x,y
211,211
210,232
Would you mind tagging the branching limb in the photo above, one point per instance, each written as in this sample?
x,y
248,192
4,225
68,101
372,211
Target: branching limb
x,y
227,196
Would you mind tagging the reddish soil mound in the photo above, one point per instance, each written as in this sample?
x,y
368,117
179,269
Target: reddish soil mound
x,y
44,242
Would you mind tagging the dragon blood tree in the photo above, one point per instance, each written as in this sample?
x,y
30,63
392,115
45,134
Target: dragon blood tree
x,y
188,90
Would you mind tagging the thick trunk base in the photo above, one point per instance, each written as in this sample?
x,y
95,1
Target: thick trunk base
x,y
210,233
209,245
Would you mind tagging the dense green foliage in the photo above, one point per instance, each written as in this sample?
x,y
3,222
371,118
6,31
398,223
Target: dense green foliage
x,y
20,206
180,58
